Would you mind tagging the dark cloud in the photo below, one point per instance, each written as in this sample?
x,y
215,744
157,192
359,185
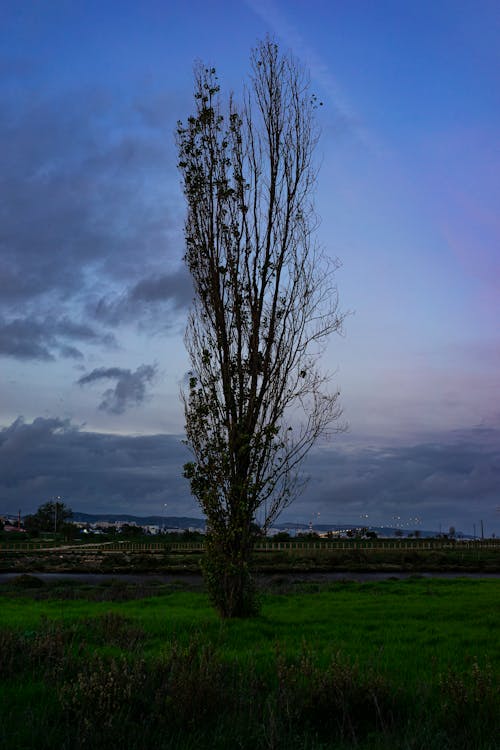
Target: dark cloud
x,y
86,210
129,390
176,287
142,300
453,483
92,472
43,339
25,339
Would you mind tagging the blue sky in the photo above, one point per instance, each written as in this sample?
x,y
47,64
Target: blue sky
x,y
93,296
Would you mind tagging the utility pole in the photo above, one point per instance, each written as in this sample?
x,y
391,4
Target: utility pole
x,y
55,513
482,531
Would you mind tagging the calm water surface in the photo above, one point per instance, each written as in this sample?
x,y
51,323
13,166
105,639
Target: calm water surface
x,y
193,578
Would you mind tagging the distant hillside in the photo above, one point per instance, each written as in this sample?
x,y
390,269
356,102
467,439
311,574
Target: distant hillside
x,y
172,522
188,522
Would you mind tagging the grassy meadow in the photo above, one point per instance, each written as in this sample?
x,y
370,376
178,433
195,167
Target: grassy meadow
x,y
394,664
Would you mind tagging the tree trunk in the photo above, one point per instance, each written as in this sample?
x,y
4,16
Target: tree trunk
x,y
227,574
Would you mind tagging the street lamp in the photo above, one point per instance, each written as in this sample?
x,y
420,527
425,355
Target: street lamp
x,y
315,515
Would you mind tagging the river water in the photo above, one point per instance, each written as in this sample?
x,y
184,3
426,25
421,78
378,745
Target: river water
x,y
190,578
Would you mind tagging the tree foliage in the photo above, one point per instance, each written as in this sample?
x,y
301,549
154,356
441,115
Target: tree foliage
x,y
51,516
265,302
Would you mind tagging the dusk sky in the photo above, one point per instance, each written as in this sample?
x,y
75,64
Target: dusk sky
x,y
94,296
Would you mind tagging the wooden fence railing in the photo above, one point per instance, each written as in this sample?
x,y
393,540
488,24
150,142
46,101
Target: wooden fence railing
x,y
291,546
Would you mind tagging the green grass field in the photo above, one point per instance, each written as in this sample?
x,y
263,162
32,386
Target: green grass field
x,y
395,664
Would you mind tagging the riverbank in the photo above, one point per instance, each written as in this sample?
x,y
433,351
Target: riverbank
x,y
125,558
191,579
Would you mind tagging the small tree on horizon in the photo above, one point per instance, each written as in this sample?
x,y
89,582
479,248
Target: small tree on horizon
x,y
50,516
265,302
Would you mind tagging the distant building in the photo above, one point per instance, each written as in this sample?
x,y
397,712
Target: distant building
x,y
16,529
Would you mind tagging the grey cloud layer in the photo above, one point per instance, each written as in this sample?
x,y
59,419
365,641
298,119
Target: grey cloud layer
x,y
454,483
141,301
130,388
92,472
42,339
89,228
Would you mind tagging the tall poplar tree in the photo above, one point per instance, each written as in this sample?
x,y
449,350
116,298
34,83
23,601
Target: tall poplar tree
x,y
265,302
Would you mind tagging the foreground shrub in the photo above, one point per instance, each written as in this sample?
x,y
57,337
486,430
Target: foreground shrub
x,y
9,646
193,685
338,702
104,697
42,653
192,697
113,629
469,708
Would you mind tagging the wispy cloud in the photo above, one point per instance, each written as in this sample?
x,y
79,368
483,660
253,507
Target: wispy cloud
x,y
346,118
